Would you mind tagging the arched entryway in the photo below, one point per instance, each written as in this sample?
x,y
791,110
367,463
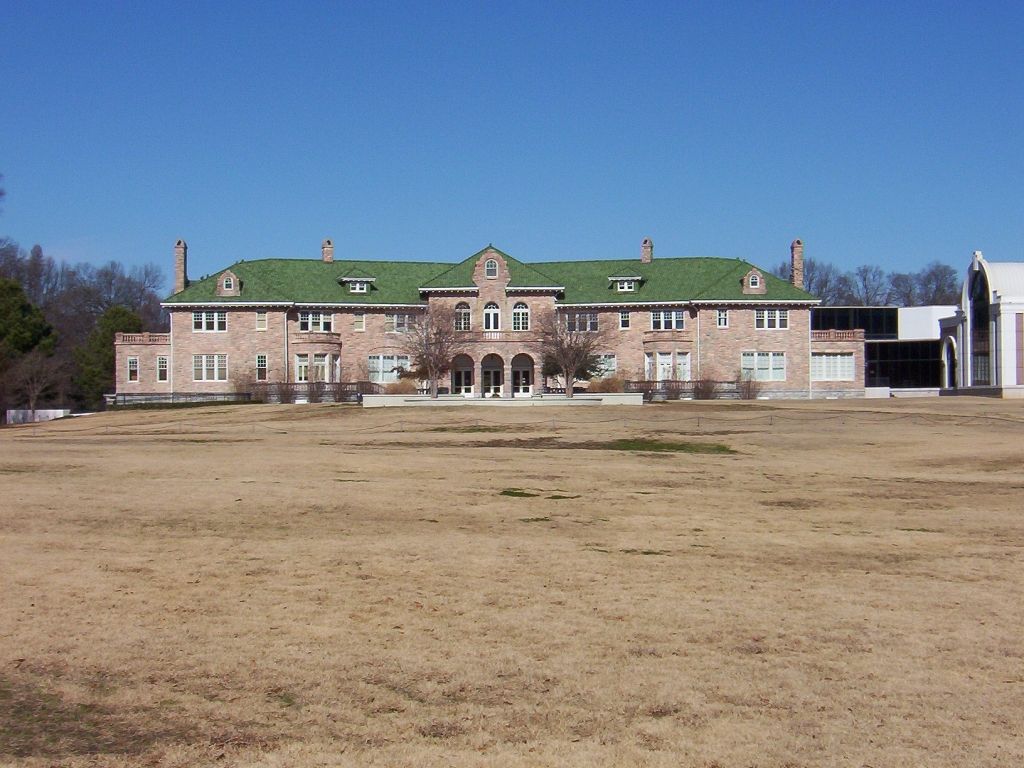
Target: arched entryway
x,y
522,375
492,376
949,364
462,375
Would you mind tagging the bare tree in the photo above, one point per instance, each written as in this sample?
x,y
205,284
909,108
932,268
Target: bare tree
x,y
903,289
36,374
938,283
866,286
431,342
569,343
821,279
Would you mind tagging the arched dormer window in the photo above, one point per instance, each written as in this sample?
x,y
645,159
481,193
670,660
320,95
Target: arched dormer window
x,y
490,268
229,284
492,317
520,317
755,280
462,316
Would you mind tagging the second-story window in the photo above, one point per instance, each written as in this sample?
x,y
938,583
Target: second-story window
x,y
668,320
767,319
520,317
315,321
581,321
397,322
462,316
209,321
261,321
490,268
723,318
492,317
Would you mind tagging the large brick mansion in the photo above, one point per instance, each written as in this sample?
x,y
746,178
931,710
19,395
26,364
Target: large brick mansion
x,y
327,320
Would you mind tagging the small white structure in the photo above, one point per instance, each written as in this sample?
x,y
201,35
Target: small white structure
x,y
26,416
983,341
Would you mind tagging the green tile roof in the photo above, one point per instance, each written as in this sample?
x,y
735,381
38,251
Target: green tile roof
x,y
520,275
398,282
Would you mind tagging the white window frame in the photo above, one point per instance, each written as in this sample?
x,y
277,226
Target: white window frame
x,y
668,320
163,368
133,369
209,321
763,366
521,316
623,319
316,322
210,367
319,367
302,367
492,317
587,322
381,368
833,366
608,364
359,322
722,318
358,286
398,322
625,286
261,320
490,269
229,284
261,367
771,319
463,317
754,281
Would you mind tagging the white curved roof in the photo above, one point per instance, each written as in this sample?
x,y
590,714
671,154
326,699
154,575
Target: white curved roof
x,y
1006,278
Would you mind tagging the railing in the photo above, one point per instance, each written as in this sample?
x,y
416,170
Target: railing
x,y
674,389
833,335
316,337
671,335
142,338
313,391
517,336
164,398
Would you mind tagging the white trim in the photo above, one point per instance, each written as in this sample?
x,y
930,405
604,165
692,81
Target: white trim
x,y
361,305
459,289
636,278
356,279
687,302
534,288
185,305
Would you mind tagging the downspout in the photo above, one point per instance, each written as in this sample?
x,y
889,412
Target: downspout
x,y
287,368
170,360
810,335
698,342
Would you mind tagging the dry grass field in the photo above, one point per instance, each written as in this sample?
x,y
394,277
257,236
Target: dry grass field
x,y
322,585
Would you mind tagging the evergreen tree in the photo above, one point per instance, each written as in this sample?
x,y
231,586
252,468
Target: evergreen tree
x,y
96,357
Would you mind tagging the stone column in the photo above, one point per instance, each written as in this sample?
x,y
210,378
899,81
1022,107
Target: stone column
x,y
507,383
478,377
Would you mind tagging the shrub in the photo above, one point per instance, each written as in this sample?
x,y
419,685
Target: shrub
x,y
705,389
748,388
402,387
609,384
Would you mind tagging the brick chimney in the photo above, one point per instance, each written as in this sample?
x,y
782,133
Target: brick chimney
x,y
180,266
327,251
647,251
796,263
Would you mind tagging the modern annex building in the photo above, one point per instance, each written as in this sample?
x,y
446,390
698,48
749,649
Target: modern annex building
x,y
302,321
983,342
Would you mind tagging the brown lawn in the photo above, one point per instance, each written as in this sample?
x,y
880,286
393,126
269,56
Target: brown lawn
x,y
321,585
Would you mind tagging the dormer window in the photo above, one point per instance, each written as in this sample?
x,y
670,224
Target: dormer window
x,y
625,286
229,284
755,280
490,268
358,286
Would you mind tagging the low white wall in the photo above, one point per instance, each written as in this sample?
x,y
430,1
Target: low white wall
x,y
25,416
876,392
603,398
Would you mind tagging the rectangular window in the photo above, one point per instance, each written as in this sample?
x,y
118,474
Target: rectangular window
x,y
319,370
161,369
397,322
210,367
383,369
763,366
668,320
722,318
359,321
581,321
316,322
625,286
623,319
832,366
210,321
261,321
133,369
768,319
302,367
358,287
261,367
608,365
682,366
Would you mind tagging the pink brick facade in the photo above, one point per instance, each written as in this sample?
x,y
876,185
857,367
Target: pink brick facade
x,y
715,341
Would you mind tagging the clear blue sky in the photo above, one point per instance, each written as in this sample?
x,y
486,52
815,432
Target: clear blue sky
x,y
877,132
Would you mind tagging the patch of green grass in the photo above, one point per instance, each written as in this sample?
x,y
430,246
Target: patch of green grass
x,y
649,445
518,493
644,551
534,519
560,496
919,530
